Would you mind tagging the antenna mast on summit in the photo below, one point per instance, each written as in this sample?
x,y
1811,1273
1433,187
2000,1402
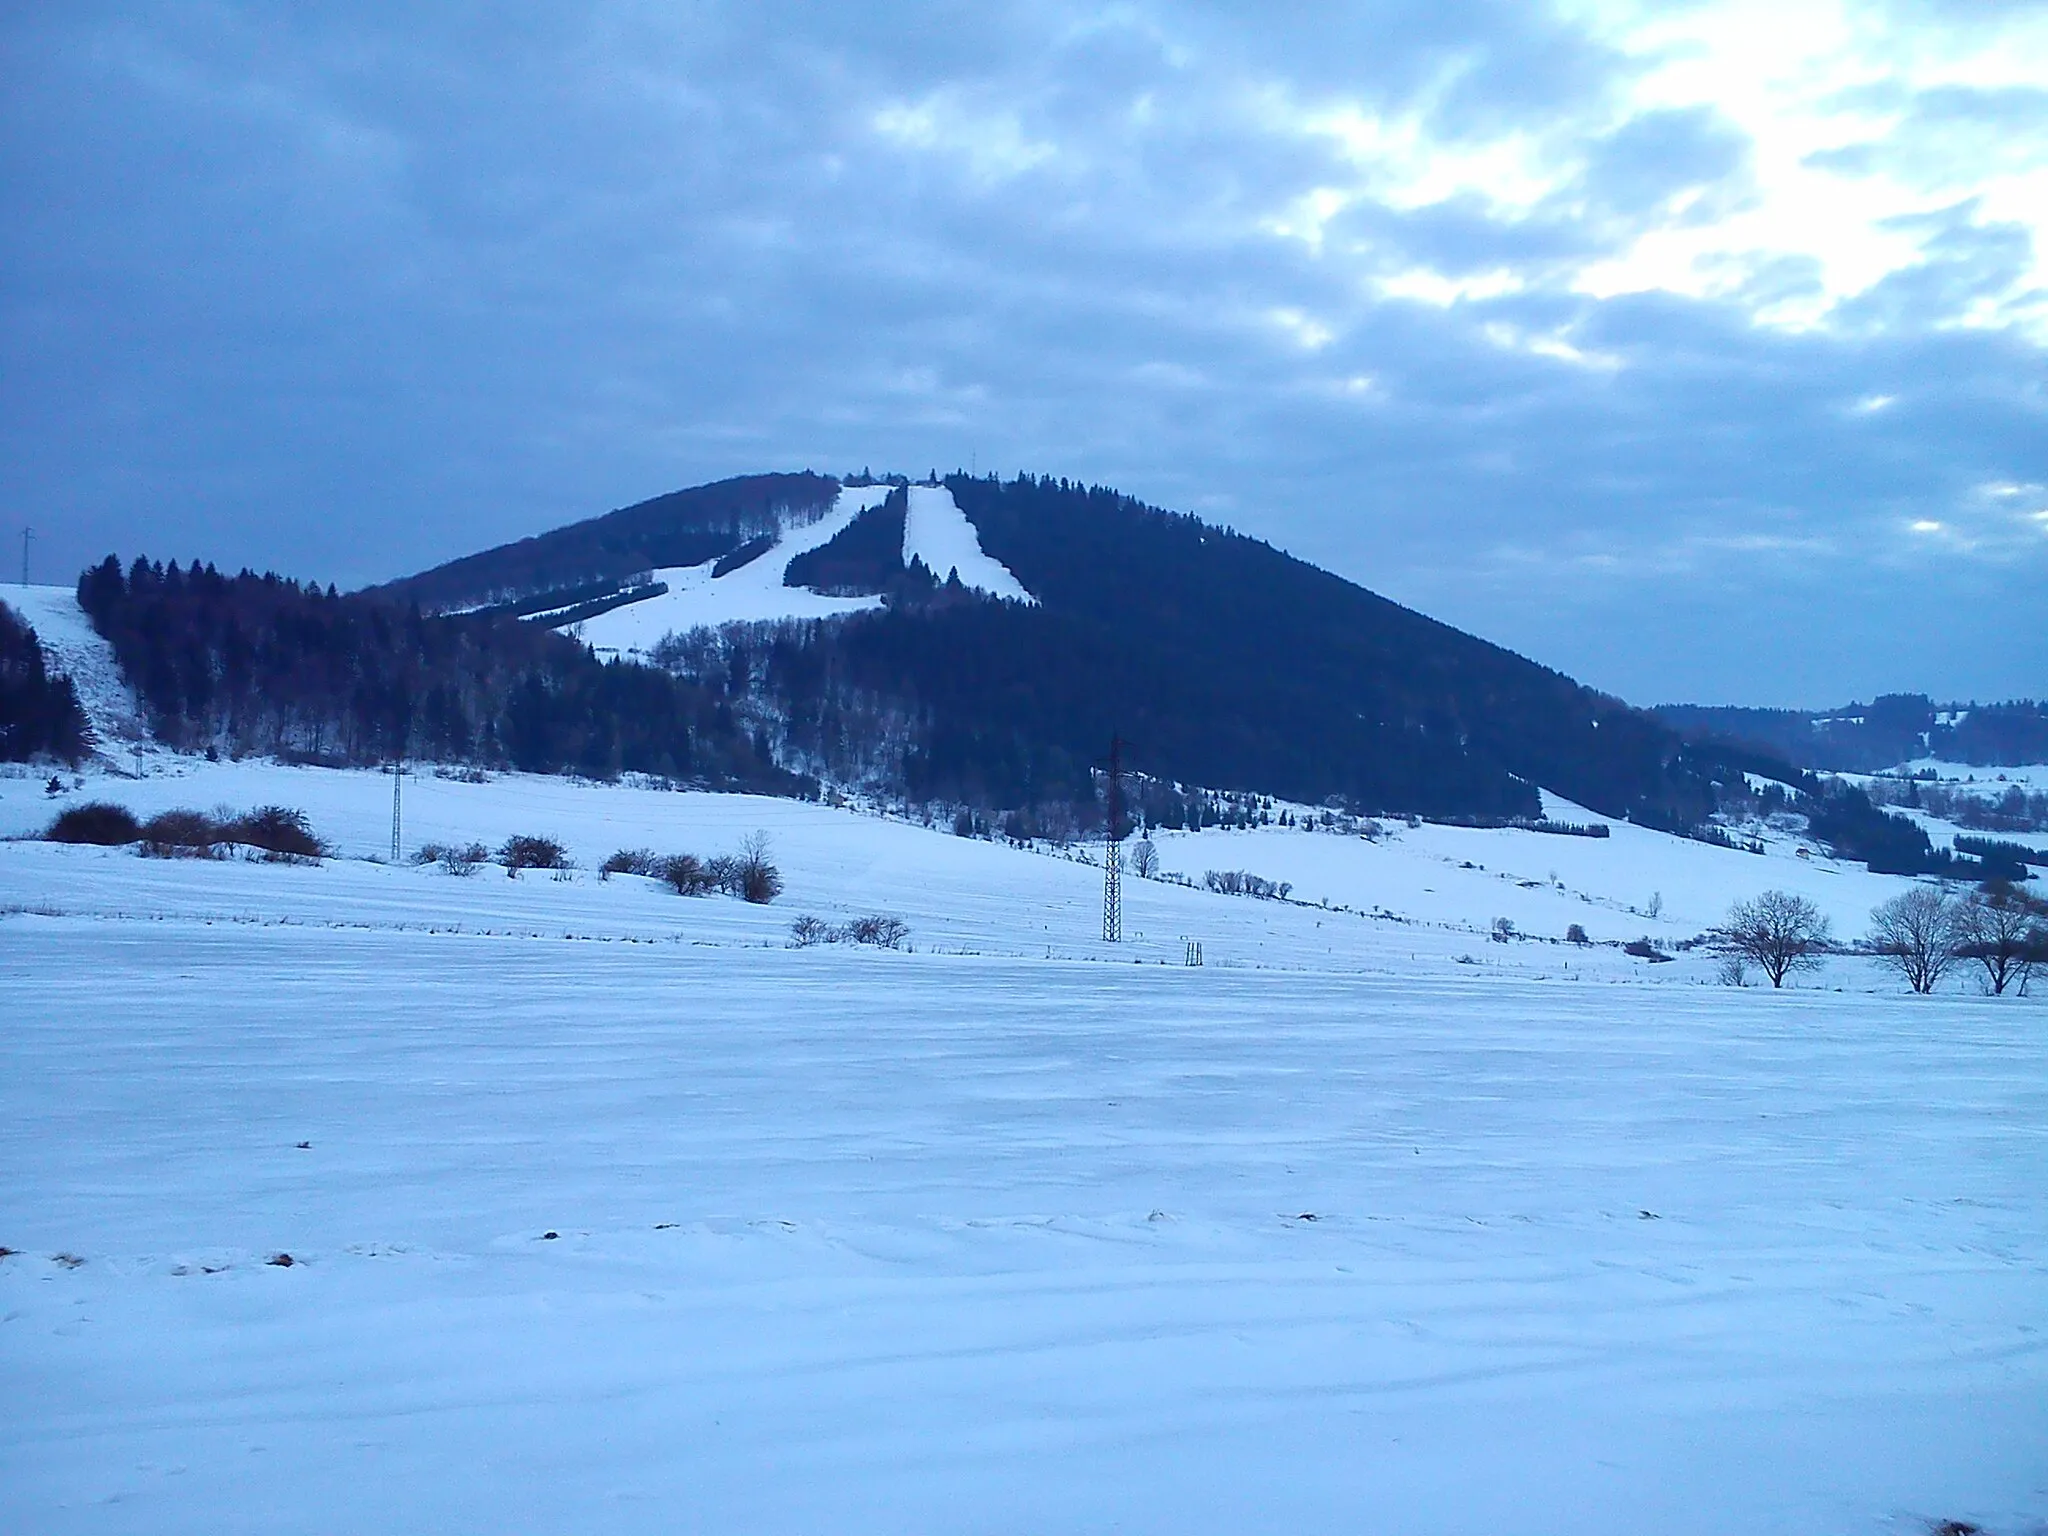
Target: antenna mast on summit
x,y
26,535
1112,861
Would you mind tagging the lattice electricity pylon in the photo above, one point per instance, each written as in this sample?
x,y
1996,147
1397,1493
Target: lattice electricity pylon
x,y
397,823
1112,861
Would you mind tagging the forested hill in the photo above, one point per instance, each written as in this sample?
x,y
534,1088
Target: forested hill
x,y
1891,729
1225,663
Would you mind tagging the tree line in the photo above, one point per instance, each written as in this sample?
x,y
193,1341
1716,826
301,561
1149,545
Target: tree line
x,y
1921,934
264,664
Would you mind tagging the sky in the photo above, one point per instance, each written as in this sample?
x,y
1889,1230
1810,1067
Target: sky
x,y
1697,350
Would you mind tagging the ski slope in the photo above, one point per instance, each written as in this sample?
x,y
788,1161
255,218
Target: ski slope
x,y
72,646
937,532
750,594
1367,1224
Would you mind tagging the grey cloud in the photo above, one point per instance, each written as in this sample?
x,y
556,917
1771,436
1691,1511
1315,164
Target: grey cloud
x,y
1653,156
347,299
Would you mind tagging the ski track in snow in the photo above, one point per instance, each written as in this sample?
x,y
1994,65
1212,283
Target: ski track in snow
x,y
753,593
971,1238
937,532
72,646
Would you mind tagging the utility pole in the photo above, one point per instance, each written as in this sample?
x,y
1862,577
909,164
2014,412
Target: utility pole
x,y
1112,862
26,535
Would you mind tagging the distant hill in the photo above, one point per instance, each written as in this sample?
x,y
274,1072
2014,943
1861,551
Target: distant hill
x,y
1864,738
1223,661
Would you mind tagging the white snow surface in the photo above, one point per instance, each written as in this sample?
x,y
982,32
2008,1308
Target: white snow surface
x,y
1007,1233
1990,781
937,532
755,592
72,646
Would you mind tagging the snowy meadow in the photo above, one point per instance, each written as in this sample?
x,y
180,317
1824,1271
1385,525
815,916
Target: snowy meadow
x,y
606,1209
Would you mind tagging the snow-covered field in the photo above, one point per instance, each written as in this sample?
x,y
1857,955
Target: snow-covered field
x,y
1367,1224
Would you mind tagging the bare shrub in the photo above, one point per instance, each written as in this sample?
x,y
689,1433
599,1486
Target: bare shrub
x,y
1778,933
278,831
748,874
1917,933
1733,971
687,873
1503,930
1644,949
878,929
524,851
99,823
808,930
630,861
1576,934
182,835
459,859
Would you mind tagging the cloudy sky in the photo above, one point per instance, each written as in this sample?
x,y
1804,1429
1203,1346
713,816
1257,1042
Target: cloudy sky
x,y
1700,350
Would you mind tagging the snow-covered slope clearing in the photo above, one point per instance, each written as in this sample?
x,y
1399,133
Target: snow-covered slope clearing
x,y
72,646
751,592
1631,883
937,532
608,1211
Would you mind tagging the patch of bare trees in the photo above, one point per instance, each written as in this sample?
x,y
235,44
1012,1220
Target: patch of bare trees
x,y
1777,932
2005,931
1926,932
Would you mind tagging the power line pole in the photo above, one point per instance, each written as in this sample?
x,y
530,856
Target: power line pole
x,y
1112,862
26,535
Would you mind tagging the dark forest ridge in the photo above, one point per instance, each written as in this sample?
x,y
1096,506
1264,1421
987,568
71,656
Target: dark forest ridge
x,y
1223,660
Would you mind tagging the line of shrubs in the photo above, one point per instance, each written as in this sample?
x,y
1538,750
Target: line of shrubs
x,y
1242,882
878,929
520,851
748,874
272,832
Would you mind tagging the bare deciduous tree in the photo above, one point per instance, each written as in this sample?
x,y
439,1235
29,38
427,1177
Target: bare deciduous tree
x,y
1916,934
2004,930
1144,858
1778,932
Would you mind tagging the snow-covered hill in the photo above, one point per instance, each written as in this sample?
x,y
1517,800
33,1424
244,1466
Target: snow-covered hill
x,y
1426,893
